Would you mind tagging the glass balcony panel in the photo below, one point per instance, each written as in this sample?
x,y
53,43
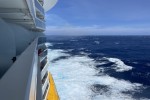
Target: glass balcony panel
x,y
39,7
40,24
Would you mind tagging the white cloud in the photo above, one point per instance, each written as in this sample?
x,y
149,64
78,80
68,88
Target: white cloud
x,y
96,30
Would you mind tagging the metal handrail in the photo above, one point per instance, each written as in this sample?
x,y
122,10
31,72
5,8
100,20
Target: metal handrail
x,y
44,85
44,78
43,55
46,91
43,63
44,70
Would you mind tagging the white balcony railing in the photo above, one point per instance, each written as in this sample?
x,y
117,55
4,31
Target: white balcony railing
x,y
43,55
44,70
39,7
46,92
32,4
44,85
40,24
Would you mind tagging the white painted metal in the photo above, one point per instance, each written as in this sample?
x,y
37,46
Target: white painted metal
x,y
45,85
44,70
19,82
43,55
21,4
47,92
23,12
7,48
48,4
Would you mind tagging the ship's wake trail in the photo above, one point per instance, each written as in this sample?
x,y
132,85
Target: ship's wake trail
x,y
76,79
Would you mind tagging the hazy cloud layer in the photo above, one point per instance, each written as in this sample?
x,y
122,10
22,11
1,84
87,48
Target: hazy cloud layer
x,y
55,30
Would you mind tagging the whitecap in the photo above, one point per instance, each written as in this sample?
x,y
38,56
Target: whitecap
x,y
48,44
116,88
82,49
84,53
117,43
120,65
97,42
135,62
53,54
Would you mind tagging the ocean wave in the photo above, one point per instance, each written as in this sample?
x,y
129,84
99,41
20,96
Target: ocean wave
x,y
60,43
97,42
120,66
148,64
73,40
115,89
117,43
70,50
81,48
72,76
54,54
101,54
135,62
75,75
48,44
84,53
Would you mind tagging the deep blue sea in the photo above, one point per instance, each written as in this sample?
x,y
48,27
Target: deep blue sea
x,y
100,67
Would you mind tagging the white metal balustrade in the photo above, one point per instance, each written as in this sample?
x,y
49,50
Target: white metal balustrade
x,y
39,7
44,85
43,55
24,77
44,70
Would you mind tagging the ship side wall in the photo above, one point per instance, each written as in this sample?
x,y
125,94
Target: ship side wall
x,y
14,40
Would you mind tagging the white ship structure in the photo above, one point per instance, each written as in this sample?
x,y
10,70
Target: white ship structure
x,y
23,54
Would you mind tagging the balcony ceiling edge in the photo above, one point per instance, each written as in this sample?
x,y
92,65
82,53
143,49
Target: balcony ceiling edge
x,y
48,4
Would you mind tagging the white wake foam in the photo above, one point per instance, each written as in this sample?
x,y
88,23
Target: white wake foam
x,y
120,65
48,44
53,54
75,75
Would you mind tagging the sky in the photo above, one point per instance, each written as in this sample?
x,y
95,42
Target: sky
x,y
99,17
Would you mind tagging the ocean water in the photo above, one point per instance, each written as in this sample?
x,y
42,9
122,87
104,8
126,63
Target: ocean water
x,y
100,67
